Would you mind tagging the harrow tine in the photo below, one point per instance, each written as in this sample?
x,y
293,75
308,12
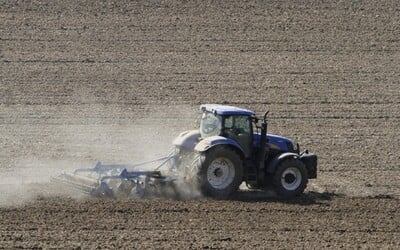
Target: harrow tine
x,y
74,185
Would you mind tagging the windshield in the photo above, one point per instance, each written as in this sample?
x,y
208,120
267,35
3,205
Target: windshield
x,y
210,124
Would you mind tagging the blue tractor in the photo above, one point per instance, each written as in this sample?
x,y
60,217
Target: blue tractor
x,y
232,147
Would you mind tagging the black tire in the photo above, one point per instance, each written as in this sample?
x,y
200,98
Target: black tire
x,y
220,172
290,178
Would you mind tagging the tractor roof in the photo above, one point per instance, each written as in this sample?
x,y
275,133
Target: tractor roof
x,y
225,110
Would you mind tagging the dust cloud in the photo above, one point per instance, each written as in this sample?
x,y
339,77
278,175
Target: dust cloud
x,y
30,179
79,137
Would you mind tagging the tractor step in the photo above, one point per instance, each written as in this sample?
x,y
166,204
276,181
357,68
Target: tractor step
x,y
251,175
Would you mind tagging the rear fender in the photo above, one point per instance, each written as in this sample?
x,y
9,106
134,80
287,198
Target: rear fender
x,y
187,140
213,141
271,166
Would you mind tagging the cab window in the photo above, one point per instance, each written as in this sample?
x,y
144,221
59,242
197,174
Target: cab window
x,y
237,124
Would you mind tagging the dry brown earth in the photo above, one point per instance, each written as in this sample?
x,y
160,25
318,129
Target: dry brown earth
x,y
82,81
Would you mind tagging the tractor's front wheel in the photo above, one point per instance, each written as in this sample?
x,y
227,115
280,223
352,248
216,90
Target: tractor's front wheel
x,y
220,172
290,178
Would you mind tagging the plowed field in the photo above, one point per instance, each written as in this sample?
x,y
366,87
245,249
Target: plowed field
x,y
116,81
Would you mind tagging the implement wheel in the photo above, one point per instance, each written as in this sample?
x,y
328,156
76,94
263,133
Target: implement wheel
x,y
220,172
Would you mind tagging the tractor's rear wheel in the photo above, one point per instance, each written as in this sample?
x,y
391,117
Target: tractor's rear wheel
x,y
290,178
220,172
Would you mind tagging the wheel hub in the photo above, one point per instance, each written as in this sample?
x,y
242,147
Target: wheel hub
x,y
291,178
220,173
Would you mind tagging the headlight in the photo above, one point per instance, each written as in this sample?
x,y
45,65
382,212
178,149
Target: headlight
x,y
296,147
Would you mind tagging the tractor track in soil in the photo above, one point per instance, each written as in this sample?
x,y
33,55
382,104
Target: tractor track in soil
x,y
88,81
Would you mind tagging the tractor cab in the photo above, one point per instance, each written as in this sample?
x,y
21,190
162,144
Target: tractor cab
x,y
229,122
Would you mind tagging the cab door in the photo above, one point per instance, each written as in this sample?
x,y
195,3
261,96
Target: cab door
x,y
238,128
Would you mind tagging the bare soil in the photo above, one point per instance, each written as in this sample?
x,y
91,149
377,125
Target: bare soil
x,y
117,81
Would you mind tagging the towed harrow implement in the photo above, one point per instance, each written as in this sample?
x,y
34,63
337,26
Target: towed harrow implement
x,y
118,180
